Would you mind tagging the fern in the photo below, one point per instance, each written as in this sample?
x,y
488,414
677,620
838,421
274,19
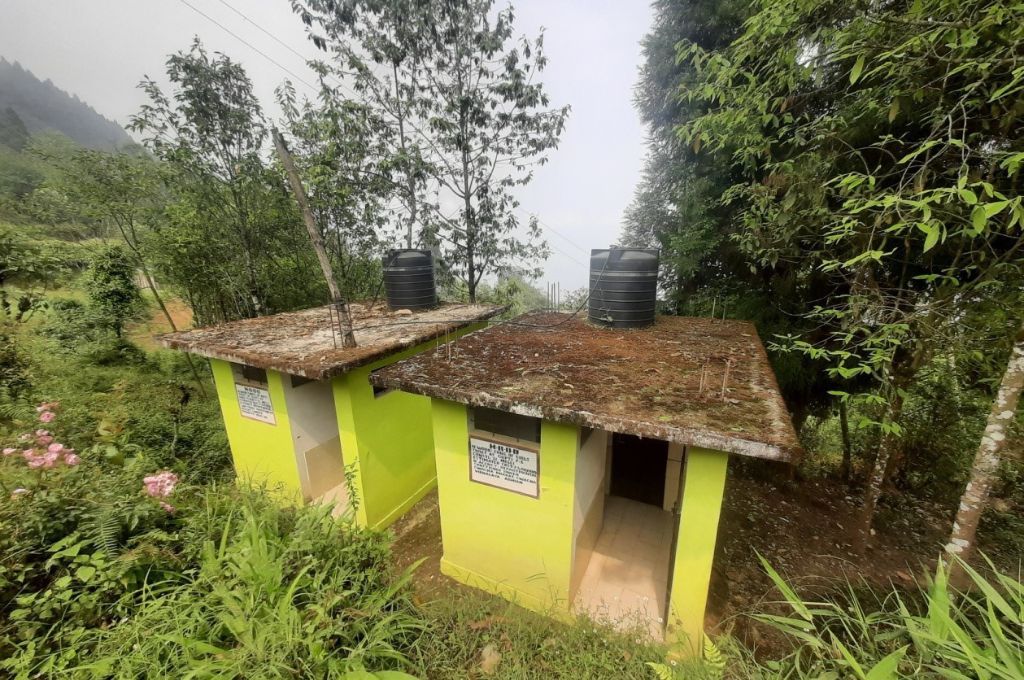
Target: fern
x,y
107,529
661,671
714,660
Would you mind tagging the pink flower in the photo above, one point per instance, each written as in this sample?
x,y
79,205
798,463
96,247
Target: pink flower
x,y
167,506
48,406
160,485
36,462
10,451
71,458
42,433
56,447
46,416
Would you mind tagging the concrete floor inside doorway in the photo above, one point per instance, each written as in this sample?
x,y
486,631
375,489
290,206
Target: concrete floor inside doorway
x,y
626,580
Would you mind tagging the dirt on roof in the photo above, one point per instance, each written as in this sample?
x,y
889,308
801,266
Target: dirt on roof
x,y
696,381
308,344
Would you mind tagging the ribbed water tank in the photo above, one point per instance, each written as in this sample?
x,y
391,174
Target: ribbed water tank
x,y
623,287
409,279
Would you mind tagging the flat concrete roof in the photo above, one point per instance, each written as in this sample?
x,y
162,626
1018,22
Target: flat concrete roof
x,y
695,381
303,343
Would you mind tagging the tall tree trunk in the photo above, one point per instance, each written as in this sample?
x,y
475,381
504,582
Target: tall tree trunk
x,y
410,179
844,426
876,479
987,458
170,322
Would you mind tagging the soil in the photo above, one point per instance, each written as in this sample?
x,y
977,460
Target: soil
x,y
144,333
803,529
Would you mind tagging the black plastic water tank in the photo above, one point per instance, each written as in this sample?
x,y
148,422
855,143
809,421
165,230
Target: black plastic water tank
x,y
409,279
623,287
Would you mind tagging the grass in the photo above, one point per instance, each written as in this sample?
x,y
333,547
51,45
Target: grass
x,y
470,632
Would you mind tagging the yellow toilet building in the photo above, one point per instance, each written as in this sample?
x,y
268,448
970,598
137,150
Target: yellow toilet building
x,y
301,415
582,468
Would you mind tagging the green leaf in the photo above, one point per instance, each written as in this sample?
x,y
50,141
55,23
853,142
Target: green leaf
x,y
968,196
978,219
858,68
85,572
931,239
994,208
888,667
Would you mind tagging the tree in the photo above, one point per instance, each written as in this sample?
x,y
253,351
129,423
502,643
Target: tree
x,y
490,123
879,147
13,133
112,289
379,46
126,191
677,206
340,155
234,241
962,540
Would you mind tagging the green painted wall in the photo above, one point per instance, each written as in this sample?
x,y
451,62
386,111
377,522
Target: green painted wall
x,y
387,440
703,490
506,543
262,453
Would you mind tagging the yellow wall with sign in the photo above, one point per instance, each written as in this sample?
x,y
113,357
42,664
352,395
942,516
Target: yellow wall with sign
x,y
386,440
501,541
262,453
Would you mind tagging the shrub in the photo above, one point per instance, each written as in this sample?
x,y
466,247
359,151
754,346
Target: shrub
x,y
112,289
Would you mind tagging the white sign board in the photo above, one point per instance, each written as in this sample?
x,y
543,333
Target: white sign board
x,y
503,466
254,402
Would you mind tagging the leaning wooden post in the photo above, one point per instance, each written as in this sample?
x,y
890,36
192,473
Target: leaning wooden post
x,y
347,337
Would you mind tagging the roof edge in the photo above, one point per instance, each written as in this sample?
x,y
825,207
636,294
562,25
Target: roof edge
x,y
684,436
169,341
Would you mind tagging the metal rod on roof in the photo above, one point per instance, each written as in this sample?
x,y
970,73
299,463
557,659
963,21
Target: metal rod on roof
x,y
725,378
348,338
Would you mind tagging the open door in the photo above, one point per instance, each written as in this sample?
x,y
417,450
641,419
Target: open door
x,y
638,468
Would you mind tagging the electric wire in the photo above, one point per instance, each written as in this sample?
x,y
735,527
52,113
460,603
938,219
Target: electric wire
x,y
248,44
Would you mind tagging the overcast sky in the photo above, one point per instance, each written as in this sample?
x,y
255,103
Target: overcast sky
x,y
100,51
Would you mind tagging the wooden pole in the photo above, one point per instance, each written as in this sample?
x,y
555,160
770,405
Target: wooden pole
x,y
344,313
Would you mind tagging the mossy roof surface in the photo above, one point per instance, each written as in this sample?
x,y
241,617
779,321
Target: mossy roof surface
x,y
695,381
307,344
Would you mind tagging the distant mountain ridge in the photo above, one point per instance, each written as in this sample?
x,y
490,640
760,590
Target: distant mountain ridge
x,y
41,105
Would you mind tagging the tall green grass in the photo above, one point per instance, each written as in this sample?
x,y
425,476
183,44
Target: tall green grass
x,y
939,631
272,594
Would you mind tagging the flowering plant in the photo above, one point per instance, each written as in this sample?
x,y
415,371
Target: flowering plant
x,y
161,485
39,449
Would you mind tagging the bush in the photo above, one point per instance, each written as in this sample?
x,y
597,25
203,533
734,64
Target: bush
x,y
109,568
272,593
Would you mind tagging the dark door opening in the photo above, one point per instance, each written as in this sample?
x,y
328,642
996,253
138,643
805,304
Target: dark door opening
x,y
638,468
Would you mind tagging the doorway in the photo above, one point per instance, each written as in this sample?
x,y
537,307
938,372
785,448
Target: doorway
x,y
638,469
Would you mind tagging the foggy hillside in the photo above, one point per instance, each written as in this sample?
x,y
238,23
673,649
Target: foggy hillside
x,y
41,105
